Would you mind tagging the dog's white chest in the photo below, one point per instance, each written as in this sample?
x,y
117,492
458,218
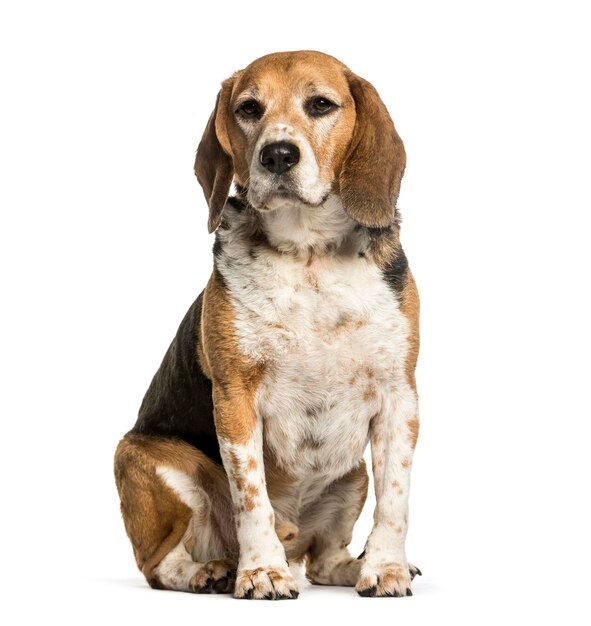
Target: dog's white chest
x,y
333,341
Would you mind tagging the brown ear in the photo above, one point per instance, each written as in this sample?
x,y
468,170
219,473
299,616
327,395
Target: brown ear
x,y
374,164
213,165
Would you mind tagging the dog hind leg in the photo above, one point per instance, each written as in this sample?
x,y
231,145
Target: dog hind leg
x,y
329,524
166,487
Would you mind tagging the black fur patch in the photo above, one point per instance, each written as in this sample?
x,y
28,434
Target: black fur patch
x,y
217,246
396,271
374,233
178,402
238,203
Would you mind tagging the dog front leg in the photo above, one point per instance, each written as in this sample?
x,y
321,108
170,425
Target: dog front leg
x,y
262,567
393,433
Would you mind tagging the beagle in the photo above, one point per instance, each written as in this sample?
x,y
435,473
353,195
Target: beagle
x,y
247,455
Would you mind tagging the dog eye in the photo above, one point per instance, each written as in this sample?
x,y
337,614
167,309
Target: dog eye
x,y
320,106
250,110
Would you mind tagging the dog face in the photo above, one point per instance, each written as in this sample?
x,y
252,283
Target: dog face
x,y
290,127
294,127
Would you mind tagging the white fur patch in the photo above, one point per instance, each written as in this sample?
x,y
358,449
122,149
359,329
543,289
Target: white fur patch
x,y
304,179
177,569
331,334
298,571
259,544
293,226
183,485
206,543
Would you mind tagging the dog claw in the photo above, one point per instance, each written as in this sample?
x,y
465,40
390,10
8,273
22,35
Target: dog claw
x,y
370,592
219,586
206,587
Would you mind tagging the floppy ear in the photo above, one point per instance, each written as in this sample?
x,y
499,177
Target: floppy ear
x,y
374,164
213,165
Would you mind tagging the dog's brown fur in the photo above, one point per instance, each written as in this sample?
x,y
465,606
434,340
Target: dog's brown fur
x,y
364,158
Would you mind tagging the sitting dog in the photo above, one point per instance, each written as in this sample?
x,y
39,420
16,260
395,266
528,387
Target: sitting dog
x,y
247,456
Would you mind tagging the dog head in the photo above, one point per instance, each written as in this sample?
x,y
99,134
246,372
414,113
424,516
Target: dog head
x,y
294,127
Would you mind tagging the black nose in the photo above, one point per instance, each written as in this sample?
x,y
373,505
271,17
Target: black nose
x,y
279,157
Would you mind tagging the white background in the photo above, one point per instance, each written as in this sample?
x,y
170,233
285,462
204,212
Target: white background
x,y
104,246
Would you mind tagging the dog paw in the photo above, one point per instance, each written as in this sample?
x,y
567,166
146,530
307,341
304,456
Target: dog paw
x,y
343,572
218,576
386,579
267,583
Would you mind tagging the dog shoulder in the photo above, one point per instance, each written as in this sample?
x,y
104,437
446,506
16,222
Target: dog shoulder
x,y
385,250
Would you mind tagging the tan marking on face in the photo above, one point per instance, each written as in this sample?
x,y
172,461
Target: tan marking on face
x,y
413,431
283,83
353,150
252,464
